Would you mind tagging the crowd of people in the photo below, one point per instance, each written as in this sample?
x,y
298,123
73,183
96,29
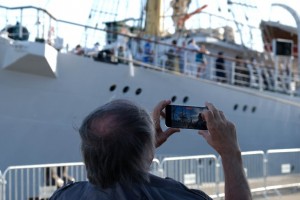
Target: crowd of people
x,y
184,56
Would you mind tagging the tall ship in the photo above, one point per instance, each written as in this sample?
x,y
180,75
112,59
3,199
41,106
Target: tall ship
x,y
49,83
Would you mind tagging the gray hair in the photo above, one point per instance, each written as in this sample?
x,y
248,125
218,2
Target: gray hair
x,y
121,146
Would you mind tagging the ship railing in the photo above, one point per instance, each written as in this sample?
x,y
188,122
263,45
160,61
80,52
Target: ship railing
x,y
46,28
240,73
267,173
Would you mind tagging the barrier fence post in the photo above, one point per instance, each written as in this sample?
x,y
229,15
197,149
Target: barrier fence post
x,y
265,168
1,186
218,168
156,168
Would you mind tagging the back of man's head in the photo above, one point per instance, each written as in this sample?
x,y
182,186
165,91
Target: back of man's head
x,y
117,144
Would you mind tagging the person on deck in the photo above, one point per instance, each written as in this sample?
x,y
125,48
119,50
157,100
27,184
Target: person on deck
x,y
173,57
201,60
220,68
182,57
192,50
148,52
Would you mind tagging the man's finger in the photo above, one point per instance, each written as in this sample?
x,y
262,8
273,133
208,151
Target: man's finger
x,y
207,115
163,114
214,110
222,115
160,106
204,133
171,131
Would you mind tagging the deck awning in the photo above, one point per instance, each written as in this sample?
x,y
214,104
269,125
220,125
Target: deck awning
x,y
274,30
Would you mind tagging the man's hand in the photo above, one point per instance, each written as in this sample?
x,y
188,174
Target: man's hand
x,y
160,135
221,134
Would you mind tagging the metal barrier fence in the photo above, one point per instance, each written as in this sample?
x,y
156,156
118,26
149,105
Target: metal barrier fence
x,y
273,170
254,167
194,171
283,168
38,181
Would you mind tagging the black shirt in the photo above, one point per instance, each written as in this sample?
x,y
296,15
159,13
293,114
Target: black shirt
x,y
157,189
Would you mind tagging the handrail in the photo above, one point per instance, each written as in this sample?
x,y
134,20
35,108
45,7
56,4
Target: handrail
x,y
28,7
283,150
41,165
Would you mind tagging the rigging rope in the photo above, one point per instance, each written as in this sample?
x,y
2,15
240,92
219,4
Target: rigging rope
x,y
118,3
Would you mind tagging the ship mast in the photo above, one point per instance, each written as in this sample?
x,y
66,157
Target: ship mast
x,y
154,18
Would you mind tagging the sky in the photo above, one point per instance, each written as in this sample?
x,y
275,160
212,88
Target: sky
x,y
79,10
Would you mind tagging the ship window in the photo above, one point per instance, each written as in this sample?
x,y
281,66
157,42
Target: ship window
x,y
112,88
253,109
185,99
245,108
138,91
235,107
125,89
173,98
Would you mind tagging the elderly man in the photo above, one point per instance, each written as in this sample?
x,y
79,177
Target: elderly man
x,y
118,143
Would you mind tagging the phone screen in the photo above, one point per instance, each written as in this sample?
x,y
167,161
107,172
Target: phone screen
x,y
187,117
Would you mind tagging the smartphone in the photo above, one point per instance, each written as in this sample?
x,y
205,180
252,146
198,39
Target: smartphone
x,y
187,117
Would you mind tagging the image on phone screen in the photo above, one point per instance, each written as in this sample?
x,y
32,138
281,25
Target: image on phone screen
x,y
187,117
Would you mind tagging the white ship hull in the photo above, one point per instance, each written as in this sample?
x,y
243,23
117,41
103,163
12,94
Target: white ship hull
x,y
43,103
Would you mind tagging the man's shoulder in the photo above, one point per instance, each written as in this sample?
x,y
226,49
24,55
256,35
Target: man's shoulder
x,y
171,188
158,188
72,188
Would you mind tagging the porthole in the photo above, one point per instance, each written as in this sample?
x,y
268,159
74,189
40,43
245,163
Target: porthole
x,y
125,89
253,109
245,108
185,99
173,99
112,87
138,91
235,107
